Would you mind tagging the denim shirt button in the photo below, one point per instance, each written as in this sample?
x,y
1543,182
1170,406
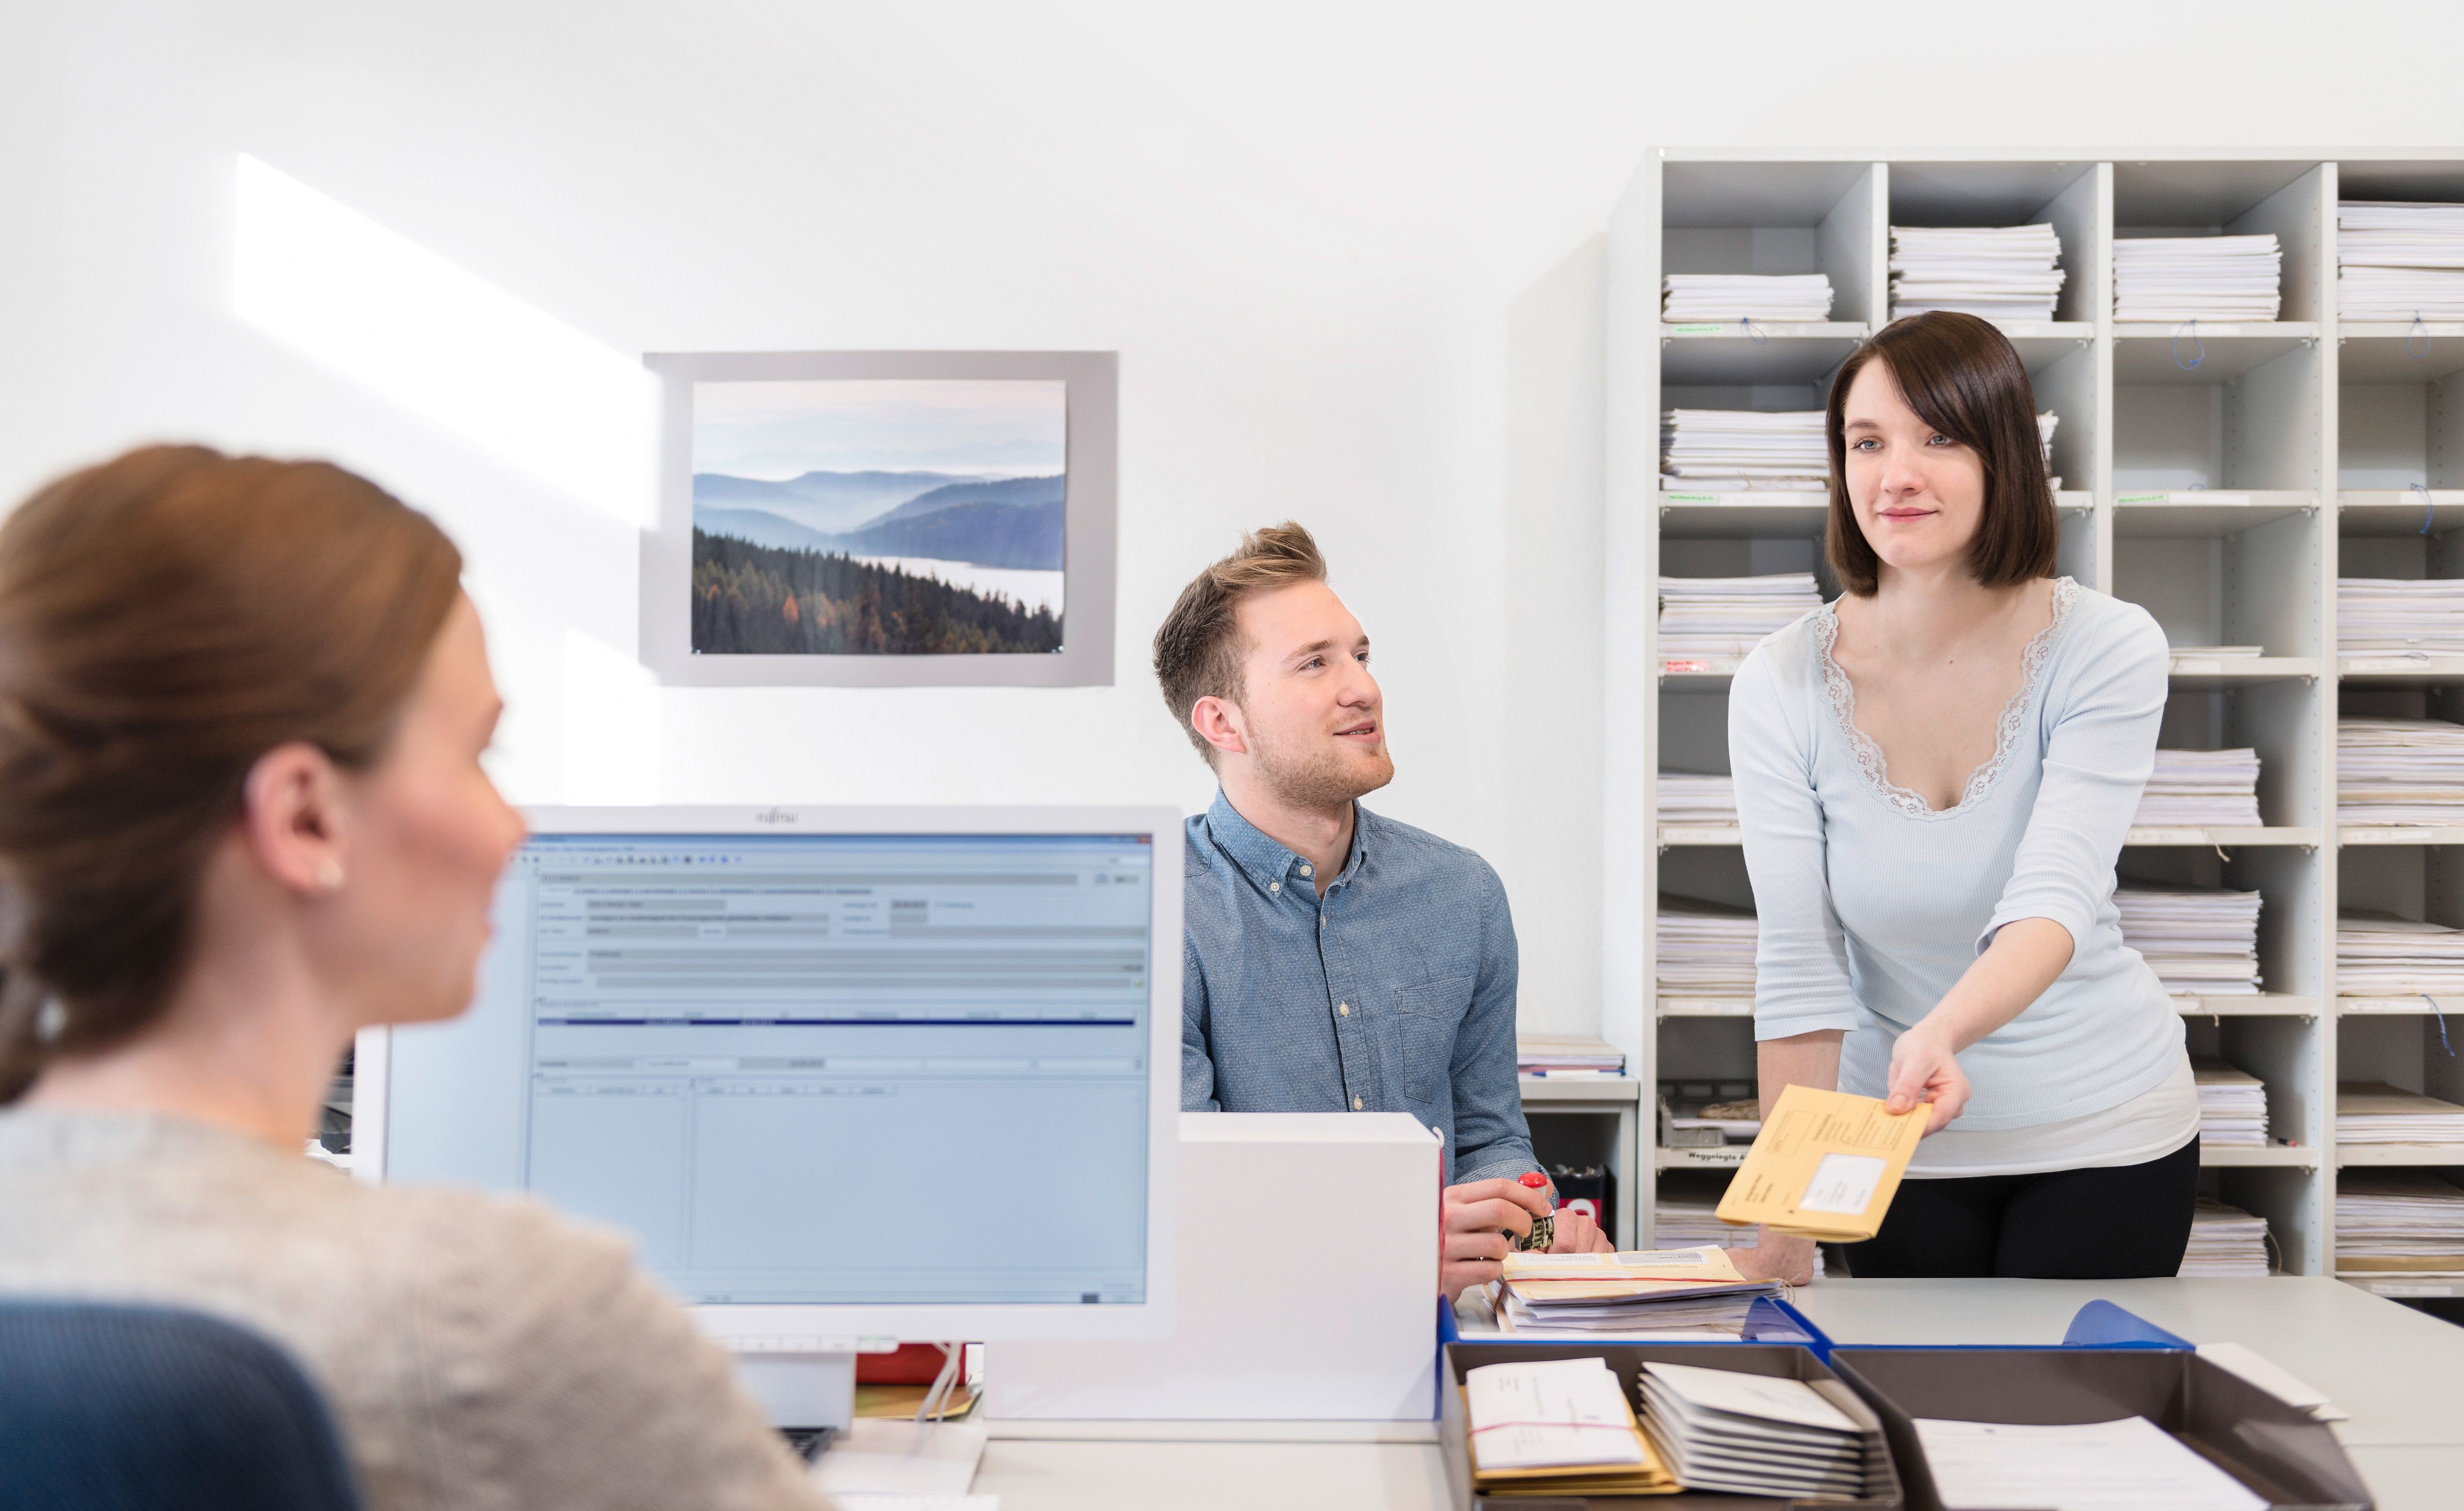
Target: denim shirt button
x,y
1274,886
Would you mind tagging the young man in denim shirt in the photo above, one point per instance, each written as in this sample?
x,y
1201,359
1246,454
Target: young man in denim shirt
x,y
1335,960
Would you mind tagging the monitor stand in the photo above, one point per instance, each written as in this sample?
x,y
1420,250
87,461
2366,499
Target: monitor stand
x,y
804,1391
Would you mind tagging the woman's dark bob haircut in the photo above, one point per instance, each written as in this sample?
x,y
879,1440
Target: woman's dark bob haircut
x,y
1959,375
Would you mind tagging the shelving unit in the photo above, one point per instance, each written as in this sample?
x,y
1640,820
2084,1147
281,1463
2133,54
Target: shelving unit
x,y
2221,475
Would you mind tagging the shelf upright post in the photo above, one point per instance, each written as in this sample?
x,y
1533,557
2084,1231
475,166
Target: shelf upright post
x,y
2099,271
2323,1216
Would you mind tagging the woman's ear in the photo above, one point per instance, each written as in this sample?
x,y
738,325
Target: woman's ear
x,y
292,818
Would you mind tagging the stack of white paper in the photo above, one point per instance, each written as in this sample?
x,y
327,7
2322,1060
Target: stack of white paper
x,y
2196,279
1723,296
1705,948
1721,618
2398,261
1685,798
1734,450
2232,1104
2374,1112
2380,954
2000,272
2127,1465
1680,1221
1567,1054
2399,771
1753,1434
2201,941
2225,1241
2201,787
2380,616
2398,1213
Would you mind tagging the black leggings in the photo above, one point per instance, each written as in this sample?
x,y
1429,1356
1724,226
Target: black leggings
x,y
2118,1223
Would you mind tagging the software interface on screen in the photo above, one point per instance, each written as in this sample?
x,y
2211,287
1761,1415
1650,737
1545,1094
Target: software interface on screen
x,y
812,1068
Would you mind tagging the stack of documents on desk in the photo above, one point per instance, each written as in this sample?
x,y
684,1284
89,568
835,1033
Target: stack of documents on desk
x,y
1557,1427
1721,618
1705,948
2196,279
2232,1104
2379,954
1726,296
2201,941
2000,272
1753,1434
1567,1054
1678,1221
1734,450
2399,771
2399,261
2196,788
1697,799
2225,1241
2127,1465
2396,616
2391,1219
1656,1291
2374,1112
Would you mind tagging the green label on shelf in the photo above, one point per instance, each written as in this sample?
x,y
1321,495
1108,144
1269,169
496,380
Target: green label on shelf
x,y
2140,499
1691,498
1697,330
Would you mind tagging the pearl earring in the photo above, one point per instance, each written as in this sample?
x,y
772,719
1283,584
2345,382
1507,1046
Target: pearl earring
x,y
329,874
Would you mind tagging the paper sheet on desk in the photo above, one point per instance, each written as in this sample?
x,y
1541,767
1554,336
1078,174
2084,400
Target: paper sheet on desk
x,y
1825,1166
2128,1465
896,1500
2273,1378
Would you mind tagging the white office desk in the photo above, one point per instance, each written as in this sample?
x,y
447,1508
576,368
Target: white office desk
x,y
2400,1373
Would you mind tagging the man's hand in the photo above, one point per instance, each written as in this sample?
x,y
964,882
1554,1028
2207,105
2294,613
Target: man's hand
x,y
1577,1233
1780,1256
1923,1069
1474,1219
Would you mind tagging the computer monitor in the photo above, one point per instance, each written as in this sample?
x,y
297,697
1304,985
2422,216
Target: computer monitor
x,y
846,1074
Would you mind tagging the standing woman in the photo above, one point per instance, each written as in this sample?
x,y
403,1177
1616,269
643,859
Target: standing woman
x,y
1934,774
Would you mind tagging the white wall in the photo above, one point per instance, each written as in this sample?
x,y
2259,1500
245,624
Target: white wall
x,y
1348,253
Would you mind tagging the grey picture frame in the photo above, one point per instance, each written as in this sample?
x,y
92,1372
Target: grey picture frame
x,y
1091,552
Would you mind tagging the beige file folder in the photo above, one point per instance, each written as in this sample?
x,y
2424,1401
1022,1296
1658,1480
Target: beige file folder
x,y
1825,1166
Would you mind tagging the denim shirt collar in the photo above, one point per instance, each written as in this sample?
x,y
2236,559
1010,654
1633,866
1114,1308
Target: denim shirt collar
x,y
1267,859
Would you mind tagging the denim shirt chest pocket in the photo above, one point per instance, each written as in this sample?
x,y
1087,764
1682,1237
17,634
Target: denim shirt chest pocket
x,y
1426,1017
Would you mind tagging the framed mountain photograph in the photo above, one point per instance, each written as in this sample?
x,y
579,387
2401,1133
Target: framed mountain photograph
x,y
875,518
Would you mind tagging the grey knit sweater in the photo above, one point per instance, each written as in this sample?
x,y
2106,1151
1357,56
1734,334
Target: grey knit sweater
x,y
478,1353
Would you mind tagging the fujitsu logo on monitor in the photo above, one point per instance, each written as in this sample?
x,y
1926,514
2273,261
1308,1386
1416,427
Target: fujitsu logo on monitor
x,y
773,816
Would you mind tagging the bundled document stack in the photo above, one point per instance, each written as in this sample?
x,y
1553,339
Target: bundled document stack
x,y
2381,616
1681,1222
2398,261
2398,1219
2374,1112
1754,1434
2200,788
2380,954
2000,272
1721,618
2197,278
1705,948
1725,297
1566,1055
2201,941
2225,1241
2399,771
1557,1427
1658,1292
1685,798
2233,1106
1734,450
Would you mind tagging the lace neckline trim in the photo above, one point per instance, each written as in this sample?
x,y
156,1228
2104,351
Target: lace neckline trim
x,y
1841,696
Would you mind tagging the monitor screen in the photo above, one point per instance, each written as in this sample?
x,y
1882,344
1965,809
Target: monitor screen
x,y
862,1069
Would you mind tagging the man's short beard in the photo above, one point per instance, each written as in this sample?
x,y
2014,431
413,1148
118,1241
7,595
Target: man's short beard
x,y
1319,778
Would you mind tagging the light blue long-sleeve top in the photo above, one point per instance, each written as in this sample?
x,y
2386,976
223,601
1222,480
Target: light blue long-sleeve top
x,y
1872,904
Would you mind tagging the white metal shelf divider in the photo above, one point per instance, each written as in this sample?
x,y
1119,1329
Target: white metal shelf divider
x,y
2274,389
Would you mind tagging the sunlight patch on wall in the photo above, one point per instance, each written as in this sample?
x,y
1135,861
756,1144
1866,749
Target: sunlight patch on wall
x,y
444,343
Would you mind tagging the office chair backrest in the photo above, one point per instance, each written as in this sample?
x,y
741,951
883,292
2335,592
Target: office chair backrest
x,y
122,1407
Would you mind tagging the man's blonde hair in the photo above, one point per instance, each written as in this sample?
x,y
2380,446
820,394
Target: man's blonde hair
x,y
1198,650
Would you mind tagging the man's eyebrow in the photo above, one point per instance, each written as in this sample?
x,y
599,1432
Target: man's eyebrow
x,y
1313,648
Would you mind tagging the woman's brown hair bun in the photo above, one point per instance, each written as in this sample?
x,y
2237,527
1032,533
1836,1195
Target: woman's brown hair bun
x,y
165,619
